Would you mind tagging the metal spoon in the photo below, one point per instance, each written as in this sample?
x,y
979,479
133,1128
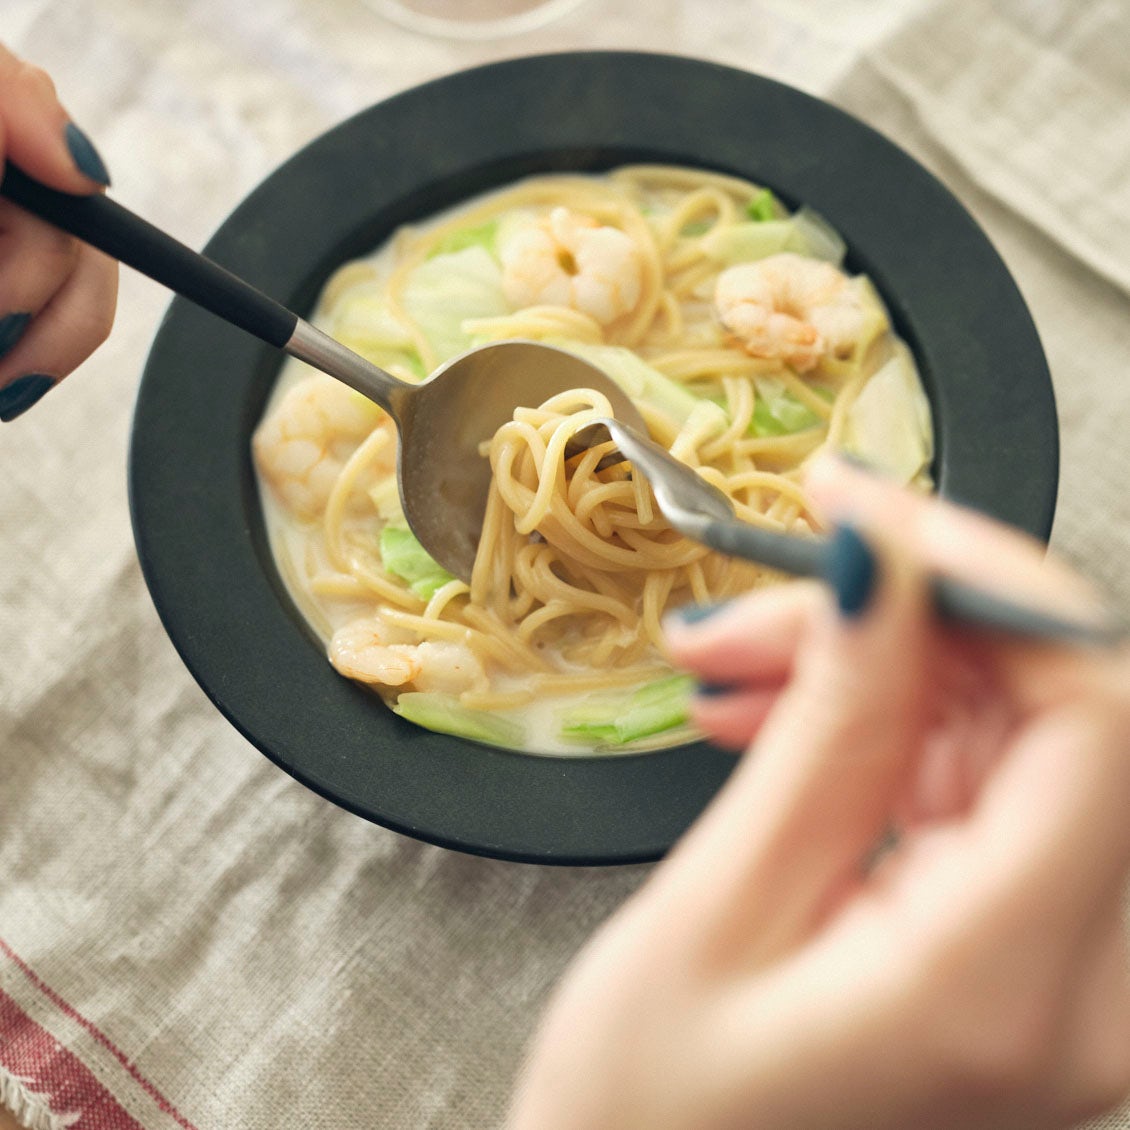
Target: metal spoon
x,y
443,479
700,511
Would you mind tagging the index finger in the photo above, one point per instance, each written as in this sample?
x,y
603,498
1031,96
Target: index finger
x,y
37,135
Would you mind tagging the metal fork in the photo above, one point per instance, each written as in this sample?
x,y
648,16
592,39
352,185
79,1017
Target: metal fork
x,y
700,511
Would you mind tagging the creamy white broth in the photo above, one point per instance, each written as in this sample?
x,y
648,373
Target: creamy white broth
x,y
294,545
455,287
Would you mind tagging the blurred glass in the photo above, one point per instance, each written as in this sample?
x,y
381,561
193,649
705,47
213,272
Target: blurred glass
x,y
473,19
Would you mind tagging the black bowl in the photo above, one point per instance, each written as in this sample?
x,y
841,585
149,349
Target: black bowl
x,y
199,532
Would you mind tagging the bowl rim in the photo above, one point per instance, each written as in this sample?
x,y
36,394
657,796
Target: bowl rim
x,y
204,384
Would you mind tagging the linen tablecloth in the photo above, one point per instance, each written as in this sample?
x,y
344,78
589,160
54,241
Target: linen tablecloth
x,y
189,938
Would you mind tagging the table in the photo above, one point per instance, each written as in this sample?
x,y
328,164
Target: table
x,y
188,937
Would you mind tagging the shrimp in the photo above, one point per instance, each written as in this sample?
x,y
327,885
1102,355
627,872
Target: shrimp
x,y
301,447
791,308
372,650
568,259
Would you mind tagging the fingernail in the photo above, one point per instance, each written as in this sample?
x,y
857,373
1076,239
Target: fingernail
x,y
696,613
12,328
851,570
713,690
85,156
21,394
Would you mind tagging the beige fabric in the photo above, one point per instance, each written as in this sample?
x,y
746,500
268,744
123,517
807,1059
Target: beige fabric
x,y
235,951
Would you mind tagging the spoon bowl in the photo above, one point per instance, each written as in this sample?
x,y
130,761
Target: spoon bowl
x,y
443,421
443,477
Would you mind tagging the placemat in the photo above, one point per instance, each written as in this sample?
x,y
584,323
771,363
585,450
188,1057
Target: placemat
x,y
190,938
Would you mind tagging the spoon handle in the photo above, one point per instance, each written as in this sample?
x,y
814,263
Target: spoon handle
x,y
106,225
125,236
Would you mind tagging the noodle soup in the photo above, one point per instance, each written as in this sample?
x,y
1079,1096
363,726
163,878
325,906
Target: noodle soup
x,y
733,326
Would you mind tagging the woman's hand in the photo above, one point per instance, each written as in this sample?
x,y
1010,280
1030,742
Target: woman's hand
x,y
57,296
778,970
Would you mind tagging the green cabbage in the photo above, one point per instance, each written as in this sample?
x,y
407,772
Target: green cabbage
x,y
763,206
444,291
619,719
641,381
888,425
446,714
776,412
364,324
484,235
805,232
404,557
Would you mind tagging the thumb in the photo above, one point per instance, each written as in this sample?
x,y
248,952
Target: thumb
x,y
814,794
37,135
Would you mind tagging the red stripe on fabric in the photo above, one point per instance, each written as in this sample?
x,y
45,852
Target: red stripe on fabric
x,y
71,1012
54,1074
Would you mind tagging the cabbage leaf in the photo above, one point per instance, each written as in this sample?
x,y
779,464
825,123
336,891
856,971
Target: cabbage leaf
x,y
445,291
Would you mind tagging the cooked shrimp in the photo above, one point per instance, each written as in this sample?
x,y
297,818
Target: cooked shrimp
x,y
373,651
791,308
301,447
568,259
449,667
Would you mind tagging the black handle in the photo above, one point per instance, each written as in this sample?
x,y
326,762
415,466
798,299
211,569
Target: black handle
x,y
124,236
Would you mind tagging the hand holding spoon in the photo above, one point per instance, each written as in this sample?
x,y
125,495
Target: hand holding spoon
x,y
441,421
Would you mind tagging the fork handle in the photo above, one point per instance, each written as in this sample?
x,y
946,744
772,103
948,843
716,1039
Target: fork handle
x,y
964,603
953,600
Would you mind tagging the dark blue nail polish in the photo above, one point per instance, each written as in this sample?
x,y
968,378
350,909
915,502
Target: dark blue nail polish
x,y
851,570
85,156
713,690
12,328
696,613
21,394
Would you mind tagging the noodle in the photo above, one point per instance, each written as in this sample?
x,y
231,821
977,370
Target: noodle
x,y
576,566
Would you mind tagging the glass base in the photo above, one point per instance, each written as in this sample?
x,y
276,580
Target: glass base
x,y
473,19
